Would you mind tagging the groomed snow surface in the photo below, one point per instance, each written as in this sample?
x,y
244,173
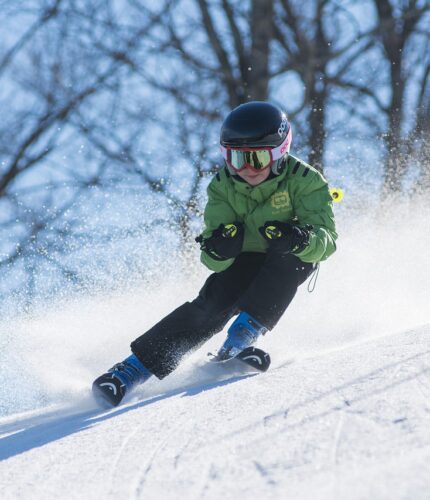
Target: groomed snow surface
x,y
351,423
343,413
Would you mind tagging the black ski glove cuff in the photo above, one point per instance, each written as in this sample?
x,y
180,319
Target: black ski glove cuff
x,y
224,243
284,238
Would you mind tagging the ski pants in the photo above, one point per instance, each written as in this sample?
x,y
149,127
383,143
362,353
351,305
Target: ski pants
x,y
261,284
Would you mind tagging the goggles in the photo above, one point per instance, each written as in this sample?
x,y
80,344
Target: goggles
x,y
256,159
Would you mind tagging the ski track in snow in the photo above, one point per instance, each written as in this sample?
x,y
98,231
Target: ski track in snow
x,y
348,423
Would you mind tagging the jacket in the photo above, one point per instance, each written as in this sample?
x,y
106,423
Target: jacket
x,y
299,195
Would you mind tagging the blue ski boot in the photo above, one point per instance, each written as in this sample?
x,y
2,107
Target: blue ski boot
x,y
243,332
110,388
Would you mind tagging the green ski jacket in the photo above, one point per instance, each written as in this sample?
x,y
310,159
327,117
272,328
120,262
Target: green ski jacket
x,y
299,195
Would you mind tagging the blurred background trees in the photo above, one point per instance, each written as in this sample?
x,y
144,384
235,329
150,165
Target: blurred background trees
x,y
111,111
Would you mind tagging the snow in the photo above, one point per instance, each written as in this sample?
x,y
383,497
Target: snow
x,y
343,412
348,423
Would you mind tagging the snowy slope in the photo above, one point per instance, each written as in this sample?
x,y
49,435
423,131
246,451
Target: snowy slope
x,y
343,413
350,423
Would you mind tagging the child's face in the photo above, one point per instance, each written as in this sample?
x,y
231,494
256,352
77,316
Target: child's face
x,y
252,177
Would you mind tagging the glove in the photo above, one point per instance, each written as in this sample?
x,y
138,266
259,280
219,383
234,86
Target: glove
x,y
284,237
224,243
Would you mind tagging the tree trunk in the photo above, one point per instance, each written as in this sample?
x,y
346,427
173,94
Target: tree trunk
x,y
317,128
395,157
317,93
261,35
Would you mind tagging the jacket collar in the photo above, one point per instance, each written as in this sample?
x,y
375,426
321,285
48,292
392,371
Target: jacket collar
x,y
263,191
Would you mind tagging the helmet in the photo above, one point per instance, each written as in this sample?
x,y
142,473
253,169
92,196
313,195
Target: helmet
x,y
256,125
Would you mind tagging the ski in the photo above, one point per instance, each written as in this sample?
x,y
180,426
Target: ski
x,y
252,356
256,358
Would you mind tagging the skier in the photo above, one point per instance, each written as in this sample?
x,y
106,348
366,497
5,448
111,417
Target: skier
x,y
268,223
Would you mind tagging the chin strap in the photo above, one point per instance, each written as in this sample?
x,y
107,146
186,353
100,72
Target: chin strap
x,y
278,167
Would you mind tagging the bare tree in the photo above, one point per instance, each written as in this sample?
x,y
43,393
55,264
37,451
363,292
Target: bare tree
x,y
419,137
107,100
320,42
392,84
200,80
52,76
399,24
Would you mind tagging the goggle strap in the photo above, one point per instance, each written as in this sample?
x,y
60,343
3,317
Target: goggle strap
x,y
282,148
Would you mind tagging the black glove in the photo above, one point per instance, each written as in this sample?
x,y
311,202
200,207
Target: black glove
x,y
284,237
224,243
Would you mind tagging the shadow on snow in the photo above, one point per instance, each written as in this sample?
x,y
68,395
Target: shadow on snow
x,y
54,427
40,430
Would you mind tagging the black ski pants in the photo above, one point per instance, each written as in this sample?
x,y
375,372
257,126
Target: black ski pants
x,y
261,284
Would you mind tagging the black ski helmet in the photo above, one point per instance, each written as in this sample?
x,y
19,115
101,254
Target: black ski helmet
x,y
258,124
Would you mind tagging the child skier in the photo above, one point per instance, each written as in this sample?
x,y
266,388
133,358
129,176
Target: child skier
x,y
268,222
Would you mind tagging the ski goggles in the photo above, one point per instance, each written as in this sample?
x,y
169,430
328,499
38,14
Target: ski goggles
x,y
256,159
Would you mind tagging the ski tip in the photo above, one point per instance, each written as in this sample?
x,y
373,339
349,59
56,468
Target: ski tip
x,y
108,391
256,358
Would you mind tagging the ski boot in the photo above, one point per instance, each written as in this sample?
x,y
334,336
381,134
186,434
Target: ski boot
x,y
110,388
243,332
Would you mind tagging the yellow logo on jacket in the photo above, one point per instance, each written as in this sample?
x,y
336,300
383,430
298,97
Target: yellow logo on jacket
x,y
280,200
